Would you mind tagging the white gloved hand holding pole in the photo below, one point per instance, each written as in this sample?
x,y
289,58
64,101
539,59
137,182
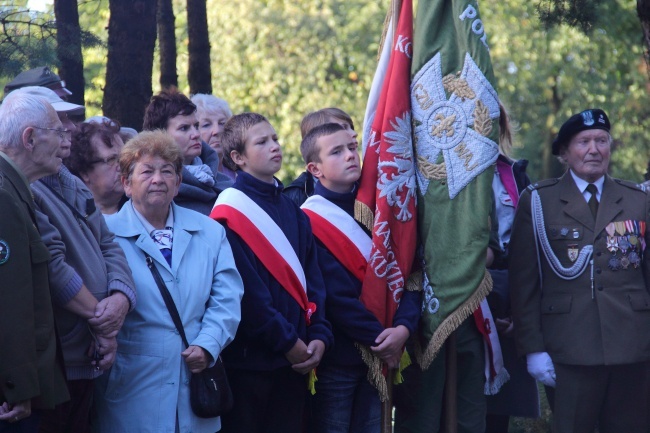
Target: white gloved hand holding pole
x,y
540,366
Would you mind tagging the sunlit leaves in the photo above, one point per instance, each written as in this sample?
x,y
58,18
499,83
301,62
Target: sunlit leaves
x,y
545,76
287,58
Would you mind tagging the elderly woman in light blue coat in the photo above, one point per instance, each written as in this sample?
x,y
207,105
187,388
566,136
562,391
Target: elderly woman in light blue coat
x,y
147,389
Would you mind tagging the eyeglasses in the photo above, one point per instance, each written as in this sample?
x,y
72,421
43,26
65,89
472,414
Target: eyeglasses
x,y
62,132
110,161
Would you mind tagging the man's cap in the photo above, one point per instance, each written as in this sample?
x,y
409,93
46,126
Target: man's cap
x,y
59,105
593,118
41,76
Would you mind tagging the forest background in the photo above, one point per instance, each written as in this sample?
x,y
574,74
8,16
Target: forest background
x,y
285,58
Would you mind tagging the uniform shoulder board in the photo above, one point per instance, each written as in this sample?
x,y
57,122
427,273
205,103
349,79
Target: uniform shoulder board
x,y
542,184
632,185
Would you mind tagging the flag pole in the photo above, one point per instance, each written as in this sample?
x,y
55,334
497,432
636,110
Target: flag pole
x,y
387,406
396,6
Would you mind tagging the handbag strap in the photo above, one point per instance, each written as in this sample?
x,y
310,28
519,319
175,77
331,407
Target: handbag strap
x,y
167,297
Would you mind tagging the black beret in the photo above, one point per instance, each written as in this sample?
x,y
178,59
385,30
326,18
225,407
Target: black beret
x,y
594,118
42,77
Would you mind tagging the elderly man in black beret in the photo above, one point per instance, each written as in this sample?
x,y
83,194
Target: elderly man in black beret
x,y
579,275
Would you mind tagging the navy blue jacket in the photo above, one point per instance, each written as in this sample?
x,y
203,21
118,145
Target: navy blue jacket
x,y
351,321
301,188
272,321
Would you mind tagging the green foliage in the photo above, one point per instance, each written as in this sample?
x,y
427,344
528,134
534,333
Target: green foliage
x,y
581,14
280,58
543,424
284,59
545,76
27,40
93,18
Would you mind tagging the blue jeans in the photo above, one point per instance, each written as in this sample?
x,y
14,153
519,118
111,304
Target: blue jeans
x,y
345,402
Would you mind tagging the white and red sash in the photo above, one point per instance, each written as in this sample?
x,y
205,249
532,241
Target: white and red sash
x,y
267,241
340,233
495,373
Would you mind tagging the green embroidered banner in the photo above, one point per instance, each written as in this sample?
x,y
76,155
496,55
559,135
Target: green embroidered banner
x,y
455,113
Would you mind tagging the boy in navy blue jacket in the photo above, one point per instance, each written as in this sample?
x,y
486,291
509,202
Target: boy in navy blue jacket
x,y
283,331
345,400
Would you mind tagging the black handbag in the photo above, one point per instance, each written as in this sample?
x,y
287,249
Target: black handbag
x,y
210,394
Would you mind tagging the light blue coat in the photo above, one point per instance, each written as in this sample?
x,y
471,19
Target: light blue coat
x,y
149,382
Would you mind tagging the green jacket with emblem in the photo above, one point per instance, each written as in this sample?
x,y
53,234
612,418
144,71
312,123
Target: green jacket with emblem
x,y
28,360
582,321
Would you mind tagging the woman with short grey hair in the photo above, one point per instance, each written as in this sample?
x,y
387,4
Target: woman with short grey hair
x,y
213,113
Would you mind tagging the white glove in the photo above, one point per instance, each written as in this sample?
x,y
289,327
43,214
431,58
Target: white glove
x,y
540,366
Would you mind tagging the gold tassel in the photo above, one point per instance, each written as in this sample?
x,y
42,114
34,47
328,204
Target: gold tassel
x,y
364,215
311,382
404,362
452,322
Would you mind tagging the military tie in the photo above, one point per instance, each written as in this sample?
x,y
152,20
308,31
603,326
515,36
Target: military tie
x,y
593,200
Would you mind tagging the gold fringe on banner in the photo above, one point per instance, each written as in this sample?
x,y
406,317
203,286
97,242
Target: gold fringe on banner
x,y
375,370
452,322
414,282
364,215
375,376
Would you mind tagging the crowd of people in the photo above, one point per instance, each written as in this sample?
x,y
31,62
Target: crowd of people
x,y
97,218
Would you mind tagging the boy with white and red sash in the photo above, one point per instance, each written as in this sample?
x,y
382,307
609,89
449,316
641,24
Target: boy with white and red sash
x,y
283,332
345,399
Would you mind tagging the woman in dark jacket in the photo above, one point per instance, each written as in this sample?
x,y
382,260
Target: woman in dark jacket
x,y
518,397
174,113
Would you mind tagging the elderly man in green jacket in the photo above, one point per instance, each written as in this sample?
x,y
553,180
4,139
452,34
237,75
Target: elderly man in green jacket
x,y
579,278
31,379
90,281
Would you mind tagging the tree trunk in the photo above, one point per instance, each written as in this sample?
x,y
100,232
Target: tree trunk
x,y
198,73
643,11
68,38
167,44
131,41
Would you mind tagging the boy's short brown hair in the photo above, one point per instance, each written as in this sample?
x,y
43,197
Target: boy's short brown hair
x,y
321,117
234,135
166,105
309,148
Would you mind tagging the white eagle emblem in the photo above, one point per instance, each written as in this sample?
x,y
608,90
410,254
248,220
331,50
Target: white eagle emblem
x,y
396,177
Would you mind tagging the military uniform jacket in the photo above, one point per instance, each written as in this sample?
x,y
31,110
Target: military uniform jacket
x,y
28,367
575,323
